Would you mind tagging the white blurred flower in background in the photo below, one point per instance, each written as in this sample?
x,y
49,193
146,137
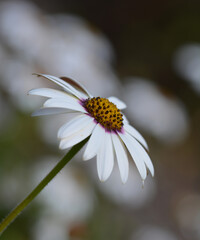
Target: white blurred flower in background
x,y
22,28
68,199
50,228
69,188
187,64
131,194
79,53
17,80
150,232
163,117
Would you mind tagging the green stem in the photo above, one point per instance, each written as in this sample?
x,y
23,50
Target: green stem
x,y
11,217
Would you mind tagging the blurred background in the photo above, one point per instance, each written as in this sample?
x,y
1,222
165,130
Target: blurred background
x,y
147,53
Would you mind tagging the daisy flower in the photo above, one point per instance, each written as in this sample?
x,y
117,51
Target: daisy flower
x,y
110,133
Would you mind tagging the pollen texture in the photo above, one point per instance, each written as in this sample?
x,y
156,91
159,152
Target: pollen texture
x,y
105,112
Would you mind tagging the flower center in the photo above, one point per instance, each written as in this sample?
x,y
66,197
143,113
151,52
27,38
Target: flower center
x,y
105,112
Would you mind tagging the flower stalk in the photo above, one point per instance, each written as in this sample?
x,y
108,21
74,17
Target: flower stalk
x,y
19,208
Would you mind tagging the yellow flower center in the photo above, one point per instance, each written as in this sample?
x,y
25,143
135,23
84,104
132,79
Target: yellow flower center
x,y
105,112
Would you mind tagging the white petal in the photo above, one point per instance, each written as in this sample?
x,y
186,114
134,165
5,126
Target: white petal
x,y
77,137
133,132
94,142
76,85
63,84
125,119
105,158
50,111
62,103
136,155
117,102
50,93
121,156
74,126
143,154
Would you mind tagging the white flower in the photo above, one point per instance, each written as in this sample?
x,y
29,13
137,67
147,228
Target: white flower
x,y
101,118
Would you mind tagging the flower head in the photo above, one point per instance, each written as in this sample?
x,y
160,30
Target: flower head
x,y
100,118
